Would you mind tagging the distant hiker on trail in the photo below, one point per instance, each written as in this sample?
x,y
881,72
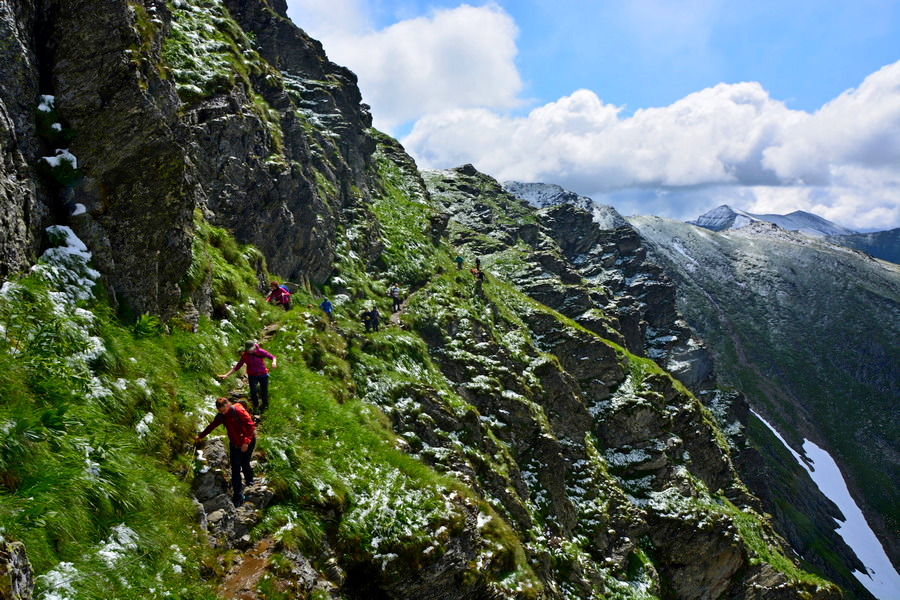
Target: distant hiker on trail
x,y
374,318
367,319
257,374
242,439
479,281
395,297
279,295
459,261
327,306
477,263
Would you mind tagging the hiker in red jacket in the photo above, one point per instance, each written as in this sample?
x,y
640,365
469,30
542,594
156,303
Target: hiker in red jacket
x,y
242,439
257,373
279,295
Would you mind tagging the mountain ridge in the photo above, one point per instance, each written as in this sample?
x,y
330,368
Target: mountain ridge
x,y
511,435
726,217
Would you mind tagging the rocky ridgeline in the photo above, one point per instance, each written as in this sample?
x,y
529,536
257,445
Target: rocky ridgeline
x,y
584,261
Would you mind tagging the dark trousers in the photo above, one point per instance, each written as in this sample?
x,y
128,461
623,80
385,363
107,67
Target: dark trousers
x,y
240,463
259,389
396,304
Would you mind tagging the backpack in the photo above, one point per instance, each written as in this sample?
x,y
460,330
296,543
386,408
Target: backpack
x,y
287,292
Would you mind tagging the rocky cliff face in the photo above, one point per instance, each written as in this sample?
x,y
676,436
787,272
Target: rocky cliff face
x,y
23,207
582,260
166,108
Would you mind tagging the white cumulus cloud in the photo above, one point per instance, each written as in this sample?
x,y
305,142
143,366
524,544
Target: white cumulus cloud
x,y
460,57
842,162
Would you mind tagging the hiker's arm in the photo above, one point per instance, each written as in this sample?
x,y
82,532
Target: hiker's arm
x,y
239,364
215,423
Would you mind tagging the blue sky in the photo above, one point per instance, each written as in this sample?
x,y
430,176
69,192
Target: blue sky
x,y
804,52
654,106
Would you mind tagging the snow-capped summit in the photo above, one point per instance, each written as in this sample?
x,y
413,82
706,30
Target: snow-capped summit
x,y
542,195
725,217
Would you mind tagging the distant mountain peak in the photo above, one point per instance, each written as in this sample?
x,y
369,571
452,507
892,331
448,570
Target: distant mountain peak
x,y
543,195
725,217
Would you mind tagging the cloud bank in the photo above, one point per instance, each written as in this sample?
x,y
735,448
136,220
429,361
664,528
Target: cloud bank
x,y
453,74
731,143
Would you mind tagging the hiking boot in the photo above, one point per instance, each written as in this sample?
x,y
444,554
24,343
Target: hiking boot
x,y
238,500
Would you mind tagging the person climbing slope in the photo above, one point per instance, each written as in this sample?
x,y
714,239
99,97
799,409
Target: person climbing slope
x,y
375,317
257,374
327,307
242,440
395,297
279,295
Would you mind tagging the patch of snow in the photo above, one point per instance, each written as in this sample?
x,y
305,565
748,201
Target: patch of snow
x,y
881,579
143,427
62,155
46,105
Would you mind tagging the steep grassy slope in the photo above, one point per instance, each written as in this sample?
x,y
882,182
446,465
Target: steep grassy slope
x,y
482,444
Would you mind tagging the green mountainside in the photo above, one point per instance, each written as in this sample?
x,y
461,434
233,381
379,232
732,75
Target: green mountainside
x,y
806,328
511,437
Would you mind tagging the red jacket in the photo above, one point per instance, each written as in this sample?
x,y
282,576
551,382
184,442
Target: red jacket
x,y
238,423
279,295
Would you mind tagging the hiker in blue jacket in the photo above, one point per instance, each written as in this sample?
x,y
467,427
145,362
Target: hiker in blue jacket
x,y
327,307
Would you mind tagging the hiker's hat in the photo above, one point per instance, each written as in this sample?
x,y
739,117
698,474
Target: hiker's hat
x,y
249,345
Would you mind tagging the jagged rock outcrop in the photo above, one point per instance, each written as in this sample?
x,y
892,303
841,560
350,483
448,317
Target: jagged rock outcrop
x,y
588,264
166,108
16,574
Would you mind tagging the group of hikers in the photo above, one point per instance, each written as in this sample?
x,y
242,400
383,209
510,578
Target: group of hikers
x,y
239,423
476,271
